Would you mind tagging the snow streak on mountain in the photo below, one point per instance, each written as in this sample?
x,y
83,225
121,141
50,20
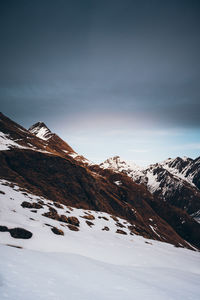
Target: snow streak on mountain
x,y
66,221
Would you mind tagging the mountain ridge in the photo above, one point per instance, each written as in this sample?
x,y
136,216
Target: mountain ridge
x,y
45,170
169,179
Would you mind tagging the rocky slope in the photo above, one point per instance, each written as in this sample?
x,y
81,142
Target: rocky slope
x,y
78,251
38,166
185,168
55,142
172,180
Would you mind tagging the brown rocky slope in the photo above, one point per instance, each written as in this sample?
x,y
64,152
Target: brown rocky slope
x,y
65,180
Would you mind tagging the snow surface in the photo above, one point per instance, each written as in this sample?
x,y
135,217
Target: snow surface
x,y
41,132
6,143
27,274
176,172
120,165
90,263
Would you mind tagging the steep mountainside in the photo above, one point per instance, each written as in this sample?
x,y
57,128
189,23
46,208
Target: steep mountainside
x,y
50,251
42,169
55,142
185,168
166,180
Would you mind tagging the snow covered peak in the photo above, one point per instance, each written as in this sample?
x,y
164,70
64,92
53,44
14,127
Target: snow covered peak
x,y
41,131
117,164
178,162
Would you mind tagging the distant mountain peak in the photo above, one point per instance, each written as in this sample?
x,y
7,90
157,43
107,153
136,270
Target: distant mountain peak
x,y
41,130
118,164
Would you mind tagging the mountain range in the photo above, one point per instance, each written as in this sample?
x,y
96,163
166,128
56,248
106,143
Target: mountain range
x,y
160,202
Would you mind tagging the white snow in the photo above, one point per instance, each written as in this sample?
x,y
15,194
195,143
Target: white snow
x,y
41,132
153,184
152,273
6,143
118,182
120,165
90,263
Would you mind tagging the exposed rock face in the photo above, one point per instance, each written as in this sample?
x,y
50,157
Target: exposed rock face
x,y
45,169
186,168
174,180
40,130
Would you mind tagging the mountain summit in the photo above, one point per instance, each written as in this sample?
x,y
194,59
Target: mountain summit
x,y
40,163
175,181
41,130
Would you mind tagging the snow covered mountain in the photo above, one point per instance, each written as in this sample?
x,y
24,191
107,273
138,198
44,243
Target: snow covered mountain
x,y
41,130
49,250
185,168
55,142
173,180
50,168
69,227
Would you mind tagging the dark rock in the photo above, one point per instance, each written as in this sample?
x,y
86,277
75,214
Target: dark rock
x,y
114,218
106,219
72,227
89,223
18,247
57,231
20,233
133,230
106,228
120,231
88,217
73,220
64,219
26,204
3,228
120,225
58,205
52,214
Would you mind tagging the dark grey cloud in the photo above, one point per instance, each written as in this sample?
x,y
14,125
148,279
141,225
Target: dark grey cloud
x,y
134,58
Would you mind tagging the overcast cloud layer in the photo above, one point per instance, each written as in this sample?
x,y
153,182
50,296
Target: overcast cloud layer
x,y
111,77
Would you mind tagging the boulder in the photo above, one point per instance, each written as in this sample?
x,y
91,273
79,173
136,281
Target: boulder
x,y
36,205
20,233
88,217
72,227
73,221
106,228
121,231
3,228
57,231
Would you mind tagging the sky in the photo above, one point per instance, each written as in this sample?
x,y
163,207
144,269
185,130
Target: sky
x,y
111,77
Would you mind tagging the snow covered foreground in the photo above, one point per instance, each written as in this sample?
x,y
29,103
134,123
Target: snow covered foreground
x,y
90,263
162,272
